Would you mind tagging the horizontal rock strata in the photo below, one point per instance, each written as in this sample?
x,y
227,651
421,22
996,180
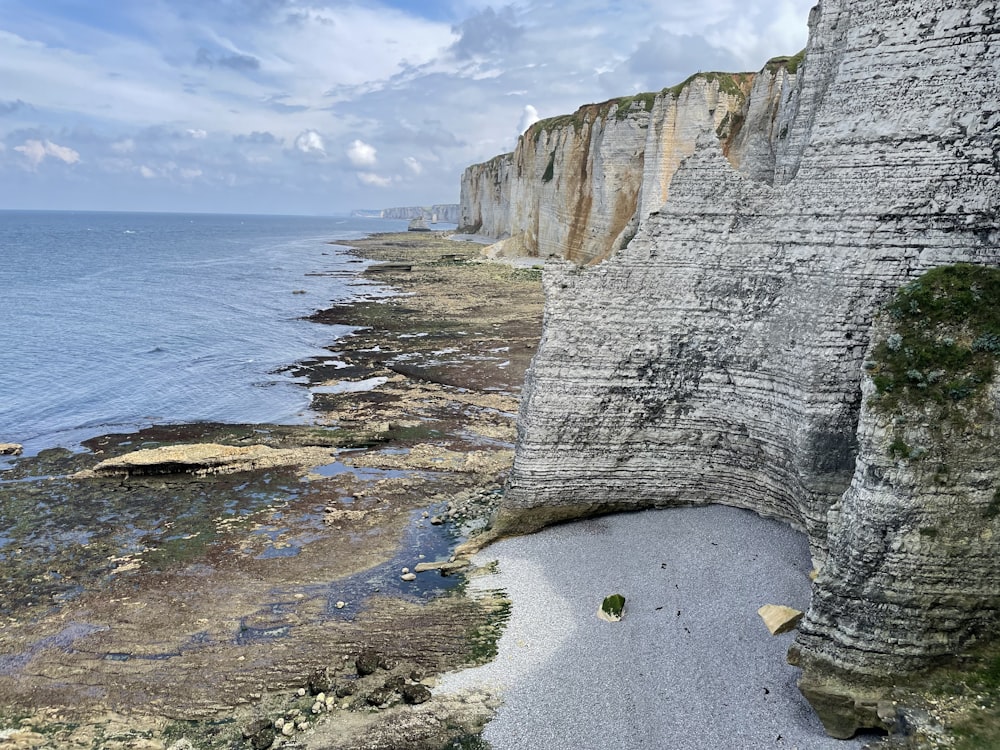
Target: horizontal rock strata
x,y
718,357
576,186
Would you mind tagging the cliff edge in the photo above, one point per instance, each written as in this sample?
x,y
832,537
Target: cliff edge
x,y
718,356
577,186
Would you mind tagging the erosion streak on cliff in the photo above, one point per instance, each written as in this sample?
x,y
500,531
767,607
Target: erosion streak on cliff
x,y
577,186
718,357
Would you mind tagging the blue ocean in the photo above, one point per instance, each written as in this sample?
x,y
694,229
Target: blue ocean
x,y
114,321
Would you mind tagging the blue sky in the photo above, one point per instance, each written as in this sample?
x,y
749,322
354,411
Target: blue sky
x,y
322,106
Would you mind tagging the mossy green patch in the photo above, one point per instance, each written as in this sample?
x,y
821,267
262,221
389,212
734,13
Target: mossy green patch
x,y
946,339
791,63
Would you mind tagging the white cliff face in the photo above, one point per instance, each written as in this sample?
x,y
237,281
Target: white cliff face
x,y
718,357
577,186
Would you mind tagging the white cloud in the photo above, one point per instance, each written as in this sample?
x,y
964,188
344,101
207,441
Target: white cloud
x,y
37,151
362,154
374,180
197,133
413,165
124,146
146,172
310,142
528,118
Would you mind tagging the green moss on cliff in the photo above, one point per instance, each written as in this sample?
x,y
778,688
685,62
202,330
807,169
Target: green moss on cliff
x,y
733,84
791,63
946,339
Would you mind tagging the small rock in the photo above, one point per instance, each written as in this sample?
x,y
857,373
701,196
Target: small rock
x,y
279,723
437,521
341,605
302,726
288,730
367,662
11,449
301,692
260,734
409,576
345,690
779,618
612,608
404,571
318,682
415,694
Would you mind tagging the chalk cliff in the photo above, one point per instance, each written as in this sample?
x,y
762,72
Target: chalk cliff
x,y
719,356
444,212
576,186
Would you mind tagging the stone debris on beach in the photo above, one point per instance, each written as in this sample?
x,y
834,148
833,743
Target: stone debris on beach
x,y
435,458
612,608
206,458
779,618
11,449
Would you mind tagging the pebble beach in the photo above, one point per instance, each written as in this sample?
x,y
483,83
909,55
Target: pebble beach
x,y
690,666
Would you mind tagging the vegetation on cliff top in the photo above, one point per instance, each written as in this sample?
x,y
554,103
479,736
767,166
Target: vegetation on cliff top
x,y
946,339
733,84
791,63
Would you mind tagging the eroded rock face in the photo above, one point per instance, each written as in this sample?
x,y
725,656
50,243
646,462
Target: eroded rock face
x,y
577,186
718,357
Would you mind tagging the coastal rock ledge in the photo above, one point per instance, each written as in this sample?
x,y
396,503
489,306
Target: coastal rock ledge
x,y
719,356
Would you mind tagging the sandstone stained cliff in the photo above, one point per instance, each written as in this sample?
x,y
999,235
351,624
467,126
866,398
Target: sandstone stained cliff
x,y
577,186
719,356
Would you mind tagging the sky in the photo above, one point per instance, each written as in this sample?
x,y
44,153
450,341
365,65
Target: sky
x,y
320,107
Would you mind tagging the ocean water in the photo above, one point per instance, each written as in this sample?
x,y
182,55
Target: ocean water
x,y
113,321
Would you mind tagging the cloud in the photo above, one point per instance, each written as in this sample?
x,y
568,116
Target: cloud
x,y
207,59
528,118
486,33
37,151
146,172
10,107
362,154
197,133
259,137
310,142
374,180
413,165
124,146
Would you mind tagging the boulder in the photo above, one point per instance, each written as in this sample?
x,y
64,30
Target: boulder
x,y
779,618
11,449
612,608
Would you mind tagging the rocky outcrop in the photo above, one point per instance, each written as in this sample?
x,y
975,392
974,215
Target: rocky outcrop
x,y
912,576
577,186
718,357
207,458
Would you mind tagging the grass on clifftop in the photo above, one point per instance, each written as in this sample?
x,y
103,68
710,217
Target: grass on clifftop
x,y
729,83
791,63
946,339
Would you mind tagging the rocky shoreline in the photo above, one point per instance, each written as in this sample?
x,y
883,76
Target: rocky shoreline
x,y
154,605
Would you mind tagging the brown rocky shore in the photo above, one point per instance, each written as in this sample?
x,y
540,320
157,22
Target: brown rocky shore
x,y
218,586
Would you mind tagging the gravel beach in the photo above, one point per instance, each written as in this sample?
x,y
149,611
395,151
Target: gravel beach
x,y
691,665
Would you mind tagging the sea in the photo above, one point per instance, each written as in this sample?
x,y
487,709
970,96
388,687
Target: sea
x,y
111,322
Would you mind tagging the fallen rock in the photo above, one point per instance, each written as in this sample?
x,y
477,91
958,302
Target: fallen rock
x,y
408,577
206,458
612,608
11,449
415,694
779,618
367,662
260,734
445,567
319,682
